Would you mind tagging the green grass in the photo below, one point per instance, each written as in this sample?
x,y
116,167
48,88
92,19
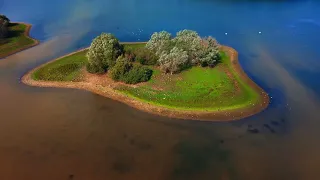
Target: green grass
x,y
16,39
64,69
200,89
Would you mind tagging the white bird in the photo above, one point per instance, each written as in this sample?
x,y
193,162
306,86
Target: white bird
x,y
259,32
226,33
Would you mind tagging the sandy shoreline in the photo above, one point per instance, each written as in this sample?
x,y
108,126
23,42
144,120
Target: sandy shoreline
x,y
109,92
26,33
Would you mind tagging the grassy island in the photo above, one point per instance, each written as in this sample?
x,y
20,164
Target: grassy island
x,y
14,37
185,77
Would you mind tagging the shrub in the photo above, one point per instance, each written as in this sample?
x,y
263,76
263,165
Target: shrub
x,y
174,61
146,56
103,53
137,73
120,69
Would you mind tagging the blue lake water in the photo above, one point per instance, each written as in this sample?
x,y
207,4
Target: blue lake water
x,y
48,133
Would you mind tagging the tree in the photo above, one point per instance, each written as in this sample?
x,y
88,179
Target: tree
x,y
174,61
159,42
4,22
189,41
210,52
103,52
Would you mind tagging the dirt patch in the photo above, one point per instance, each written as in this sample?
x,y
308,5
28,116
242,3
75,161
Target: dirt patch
x,y
102,85
26,33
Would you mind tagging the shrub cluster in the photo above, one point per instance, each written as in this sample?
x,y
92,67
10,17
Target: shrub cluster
x,y
186,49
128,72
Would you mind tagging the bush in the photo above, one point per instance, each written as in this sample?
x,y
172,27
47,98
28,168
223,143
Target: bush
x,y
120,69
137,73
103,52
146,56
129,73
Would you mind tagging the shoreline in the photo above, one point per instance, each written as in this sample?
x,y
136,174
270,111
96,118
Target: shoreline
x,y
27,34
109,92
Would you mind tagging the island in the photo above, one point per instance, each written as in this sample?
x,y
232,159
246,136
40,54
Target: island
x,y
14,37
184,77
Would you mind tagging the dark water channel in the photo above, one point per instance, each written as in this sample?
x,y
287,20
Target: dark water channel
x,y
48,133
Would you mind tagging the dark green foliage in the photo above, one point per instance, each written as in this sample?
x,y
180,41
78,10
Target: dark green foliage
x,y
120,69
137,73
130,55
129,73
146,56
4,22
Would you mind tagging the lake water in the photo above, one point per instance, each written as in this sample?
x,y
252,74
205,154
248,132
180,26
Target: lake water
x,y
48,133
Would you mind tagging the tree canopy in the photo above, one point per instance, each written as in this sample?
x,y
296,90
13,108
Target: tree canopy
x,y
103,52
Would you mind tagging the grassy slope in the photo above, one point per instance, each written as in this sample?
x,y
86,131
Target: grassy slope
x,y
64,69
16,39
193,89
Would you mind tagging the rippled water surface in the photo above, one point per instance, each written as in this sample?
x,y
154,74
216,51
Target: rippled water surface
x,y
48,133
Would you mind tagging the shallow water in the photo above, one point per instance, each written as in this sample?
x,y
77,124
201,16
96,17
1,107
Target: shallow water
x,y
48,133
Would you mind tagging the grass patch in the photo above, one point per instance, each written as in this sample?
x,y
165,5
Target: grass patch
x,y
64,69
200,89
16,39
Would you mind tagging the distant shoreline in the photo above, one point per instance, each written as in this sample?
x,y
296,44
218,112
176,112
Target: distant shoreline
x,y
27,34
109,92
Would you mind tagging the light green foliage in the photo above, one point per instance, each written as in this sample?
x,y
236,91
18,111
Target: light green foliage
x,y
159,42
103,53
210,52
204,52
173,61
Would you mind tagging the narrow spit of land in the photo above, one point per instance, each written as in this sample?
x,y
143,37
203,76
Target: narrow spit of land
x,y
18,39
223,93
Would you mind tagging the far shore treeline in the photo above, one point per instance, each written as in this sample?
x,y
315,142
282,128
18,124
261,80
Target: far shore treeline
x,y
4,23
171,54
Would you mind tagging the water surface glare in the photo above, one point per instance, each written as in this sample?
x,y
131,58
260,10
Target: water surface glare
x,y
51,134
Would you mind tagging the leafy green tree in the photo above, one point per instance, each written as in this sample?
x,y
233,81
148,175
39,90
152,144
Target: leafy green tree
x,y
103,52
210,52
159,42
